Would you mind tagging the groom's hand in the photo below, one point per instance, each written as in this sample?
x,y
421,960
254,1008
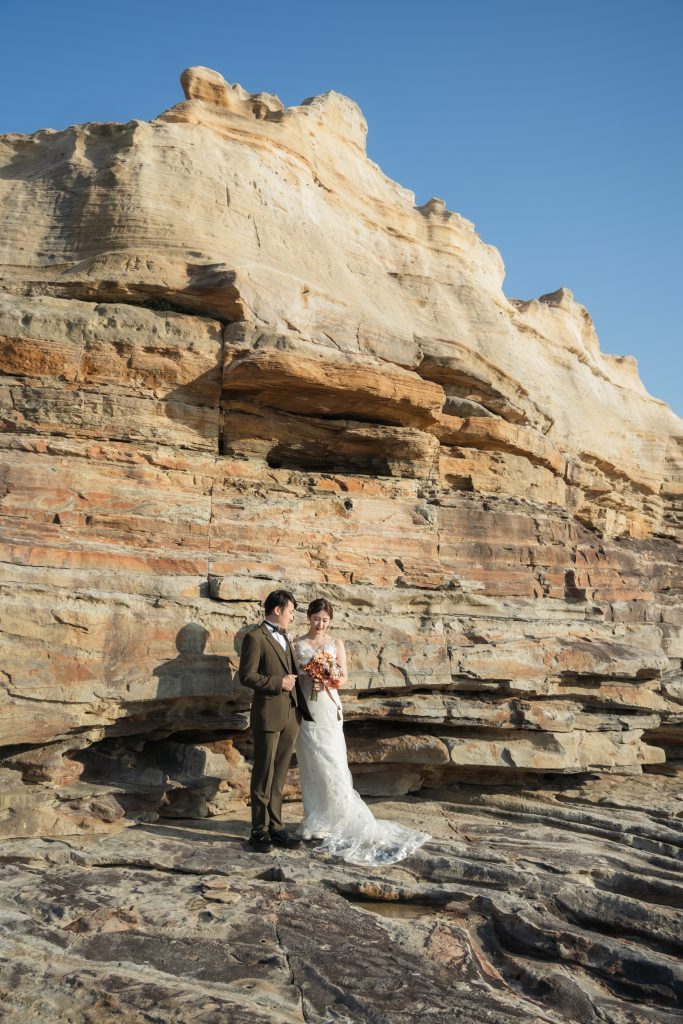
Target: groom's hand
x,y
288,683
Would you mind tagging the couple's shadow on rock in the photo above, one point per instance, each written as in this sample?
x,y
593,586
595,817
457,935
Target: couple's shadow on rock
x,y
201,697
192,673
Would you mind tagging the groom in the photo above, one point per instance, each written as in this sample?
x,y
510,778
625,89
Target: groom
x,y
268,666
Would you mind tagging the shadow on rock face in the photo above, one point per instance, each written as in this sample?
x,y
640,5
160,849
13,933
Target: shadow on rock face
x,y
192,639
193,673
177,746
239,637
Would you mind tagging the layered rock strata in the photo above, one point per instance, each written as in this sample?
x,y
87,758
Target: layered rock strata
x,y
549,906
235,355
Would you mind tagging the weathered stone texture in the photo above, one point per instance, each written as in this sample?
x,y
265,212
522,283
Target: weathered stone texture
x,y
235,355
551,906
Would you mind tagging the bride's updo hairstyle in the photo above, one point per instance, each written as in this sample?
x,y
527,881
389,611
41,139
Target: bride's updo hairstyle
x,y
320,605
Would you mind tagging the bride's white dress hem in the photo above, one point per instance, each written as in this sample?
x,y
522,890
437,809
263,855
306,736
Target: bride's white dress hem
x,y
333,809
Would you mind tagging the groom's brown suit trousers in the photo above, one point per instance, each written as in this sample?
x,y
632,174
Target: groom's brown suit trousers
x,y
274,720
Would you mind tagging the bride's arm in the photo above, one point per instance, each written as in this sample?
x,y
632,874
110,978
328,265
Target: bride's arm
x,y
341,661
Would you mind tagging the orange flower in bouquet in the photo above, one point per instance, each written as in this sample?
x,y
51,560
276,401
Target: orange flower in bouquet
x,y
324,670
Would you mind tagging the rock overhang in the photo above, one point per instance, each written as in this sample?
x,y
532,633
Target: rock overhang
x,y
236,354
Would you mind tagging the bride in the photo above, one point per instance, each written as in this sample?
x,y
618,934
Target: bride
x,y
333,810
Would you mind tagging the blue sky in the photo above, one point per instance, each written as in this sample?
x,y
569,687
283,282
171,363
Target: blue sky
x,y
554,126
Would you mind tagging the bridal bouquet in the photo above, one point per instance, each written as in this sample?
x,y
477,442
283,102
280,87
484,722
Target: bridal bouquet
x,y
323,669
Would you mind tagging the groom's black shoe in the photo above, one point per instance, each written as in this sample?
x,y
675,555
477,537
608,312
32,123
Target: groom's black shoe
x,y
283,838
260,842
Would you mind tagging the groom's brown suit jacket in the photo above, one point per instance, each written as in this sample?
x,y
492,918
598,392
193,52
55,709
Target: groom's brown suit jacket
x,y
263,666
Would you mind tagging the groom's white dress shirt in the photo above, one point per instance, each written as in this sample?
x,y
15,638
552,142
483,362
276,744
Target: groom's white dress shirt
x,y
277,634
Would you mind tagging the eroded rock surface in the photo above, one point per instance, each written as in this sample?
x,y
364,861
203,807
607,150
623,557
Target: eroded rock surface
x,y
235,356
525,906
491,503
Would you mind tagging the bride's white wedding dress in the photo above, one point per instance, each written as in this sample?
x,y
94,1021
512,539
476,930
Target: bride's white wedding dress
x,y
333,810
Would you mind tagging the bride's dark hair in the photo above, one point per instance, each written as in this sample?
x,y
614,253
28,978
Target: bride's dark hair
x,y
319,605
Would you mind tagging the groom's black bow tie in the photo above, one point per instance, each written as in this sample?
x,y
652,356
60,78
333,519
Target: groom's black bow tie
x,y
277,629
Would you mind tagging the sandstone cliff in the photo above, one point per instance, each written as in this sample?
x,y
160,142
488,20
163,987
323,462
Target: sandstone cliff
x,y
235,355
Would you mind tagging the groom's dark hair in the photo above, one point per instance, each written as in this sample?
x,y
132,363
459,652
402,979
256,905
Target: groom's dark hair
x,y
278,599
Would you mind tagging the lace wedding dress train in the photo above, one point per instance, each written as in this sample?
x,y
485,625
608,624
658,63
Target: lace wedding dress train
x,y
333,810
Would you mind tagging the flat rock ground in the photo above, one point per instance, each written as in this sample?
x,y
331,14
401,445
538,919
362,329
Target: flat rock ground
x,y
526,905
